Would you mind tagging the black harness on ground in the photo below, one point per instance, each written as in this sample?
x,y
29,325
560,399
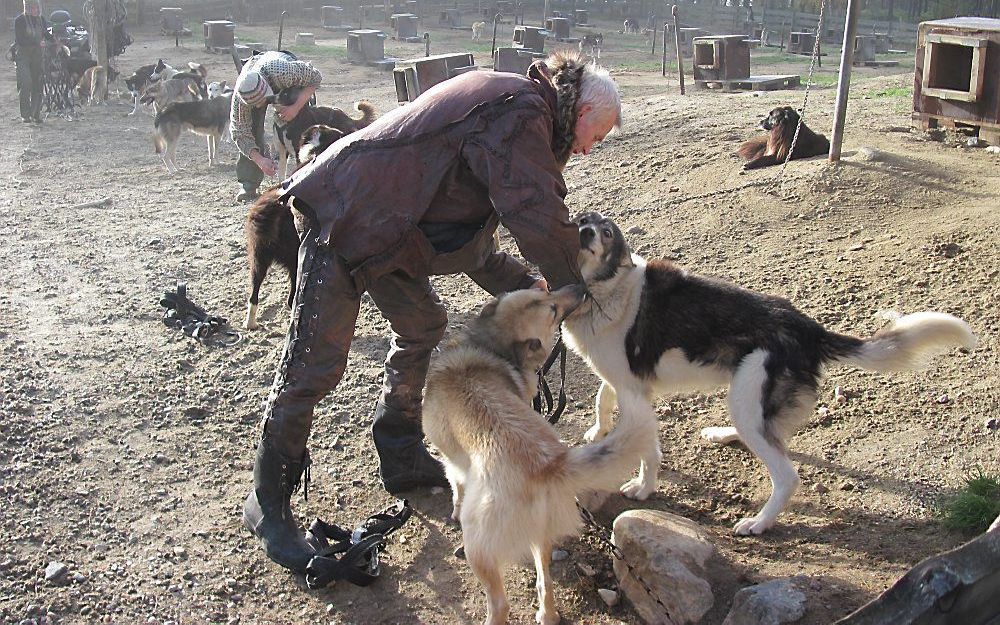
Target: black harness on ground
x,y
191,318
543,402
352,555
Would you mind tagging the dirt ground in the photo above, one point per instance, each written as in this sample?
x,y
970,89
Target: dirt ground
x,y
126,448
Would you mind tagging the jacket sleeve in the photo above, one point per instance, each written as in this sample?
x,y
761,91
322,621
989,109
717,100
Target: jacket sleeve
x,y
502,273
21,37
241,127
513,158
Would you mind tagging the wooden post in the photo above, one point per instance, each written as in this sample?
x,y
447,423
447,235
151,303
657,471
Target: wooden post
x,y
844,83
545,11
677,43
652,51
663,61
99,29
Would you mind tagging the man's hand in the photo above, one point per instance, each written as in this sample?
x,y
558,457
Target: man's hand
x,y
267,165
541,284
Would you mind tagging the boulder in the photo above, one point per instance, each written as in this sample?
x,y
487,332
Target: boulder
x,y
771,603
669,553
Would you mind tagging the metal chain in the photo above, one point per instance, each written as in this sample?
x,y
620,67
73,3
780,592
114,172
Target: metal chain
x,y
603,536
770,183
805,97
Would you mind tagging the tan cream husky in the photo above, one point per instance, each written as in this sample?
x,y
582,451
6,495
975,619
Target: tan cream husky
x,y
513,481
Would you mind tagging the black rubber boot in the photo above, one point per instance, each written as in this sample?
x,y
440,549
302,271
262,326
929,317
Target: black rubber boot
x,y
267,511
403,461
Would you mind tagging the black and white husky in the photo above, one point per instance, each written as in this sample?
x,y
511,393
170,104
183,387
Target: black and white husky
x,y
653,328
208,118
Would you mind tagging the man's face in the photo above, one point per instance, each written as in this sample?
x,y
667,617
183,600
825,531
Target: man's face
x,y
33,10
592,125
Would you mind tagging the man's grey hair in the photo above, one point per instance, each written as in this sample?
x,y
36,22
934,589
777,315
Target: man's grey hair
x,y
599,90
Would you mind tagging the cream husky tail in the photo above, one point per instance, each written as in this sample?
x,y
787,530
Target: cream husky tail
x,y
603,464
905,344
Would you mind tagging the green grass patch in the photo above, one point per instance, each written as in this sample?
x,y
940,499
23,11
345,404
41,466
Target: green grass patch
x,y
974,506
894,92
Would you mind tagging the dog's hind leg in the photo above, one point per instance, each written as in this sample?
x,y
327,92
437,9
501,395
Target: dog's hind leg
x,y
603,407
456,477
490,575
547,613
766,439
633,405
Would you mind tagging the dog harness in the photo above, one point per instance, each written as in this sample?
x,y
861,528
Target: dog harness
x,y
352,555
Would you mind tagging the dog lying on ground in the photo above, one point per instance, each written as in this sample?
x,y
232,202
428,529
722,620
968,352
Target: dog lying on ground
x,y
652,328
270,227
772,148
513,481
592,42
477,30
288,135
209,118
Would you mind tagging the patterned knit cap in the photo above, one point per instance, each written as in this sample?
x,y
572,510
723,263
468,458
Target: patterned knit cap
x,y
253,88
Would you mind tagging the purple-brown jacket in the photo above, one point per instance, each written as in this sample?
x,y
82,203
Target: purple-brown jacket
x,y
474,151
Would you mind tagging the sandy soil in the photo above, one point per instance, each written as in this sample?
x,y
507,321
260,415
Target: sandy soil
x,y
126,448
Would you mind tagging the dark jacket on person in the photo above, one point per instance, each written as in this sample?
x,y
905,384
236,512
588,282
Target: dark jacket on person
x,y
475,151
30,30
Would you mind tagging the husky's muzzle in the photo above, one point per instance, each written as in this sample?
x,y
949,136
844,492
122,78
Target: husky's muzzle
x,y
569,298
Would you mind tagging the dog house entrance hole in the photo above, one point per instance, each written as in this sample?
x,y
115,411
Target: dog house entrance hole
x,y
954,67
951,67
704,54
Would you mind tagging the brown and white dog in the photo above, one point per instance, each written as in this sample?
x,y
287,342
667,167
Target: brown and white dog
x,y
270,227
164,92
289,135
653,328
514,483
772,148
93,85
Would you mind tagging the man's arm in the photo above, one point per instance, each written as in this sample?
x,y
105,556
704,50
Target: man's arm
x,y
502,273
526,187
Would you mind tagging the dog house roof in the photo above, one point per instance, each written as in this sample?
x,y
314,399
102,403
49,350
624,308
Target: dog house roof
x,y
966,23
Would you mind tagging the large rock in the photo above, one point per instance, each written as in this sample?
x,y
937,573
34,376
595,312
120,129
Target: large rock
x,y
669,553
771,603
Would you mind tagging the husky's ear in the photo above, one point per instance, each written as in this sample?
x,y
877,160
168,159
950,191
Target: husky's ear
x,y
527,352
490,309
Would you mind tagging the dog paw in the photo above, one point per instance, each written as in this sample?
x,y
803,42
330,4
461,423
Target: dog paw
x,y
251,325
752,526
720,435
636,489
595,433
547,618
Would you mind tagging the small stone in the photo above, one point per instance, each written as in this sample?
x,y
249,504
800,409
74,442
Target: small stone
x,y
856,248
943,398
819,488
159,458
771,603
78,578
329,608
180,552
460,552
839,396
402,539
674,189
437,490
55,571
636,230
608,596
992,424
155,241
846,485
823,412
975,142
993,149
586,569
558,555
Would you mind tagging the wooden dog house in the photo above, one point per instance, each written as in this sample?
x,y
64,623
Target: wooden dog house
x,y
957,75
721,57
452,18
529,38
801,43
415,76
558,27
332,17
515,60
581,17
864,49
404,27
220,35
367,46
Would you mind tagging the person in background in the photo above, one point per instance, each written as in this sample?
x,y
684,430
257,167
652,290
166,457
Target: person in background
x,y
262,76
30,34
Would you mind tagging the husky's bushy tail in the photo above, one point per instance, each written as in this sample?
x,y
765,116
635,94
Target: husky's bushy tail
x,y
905,344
